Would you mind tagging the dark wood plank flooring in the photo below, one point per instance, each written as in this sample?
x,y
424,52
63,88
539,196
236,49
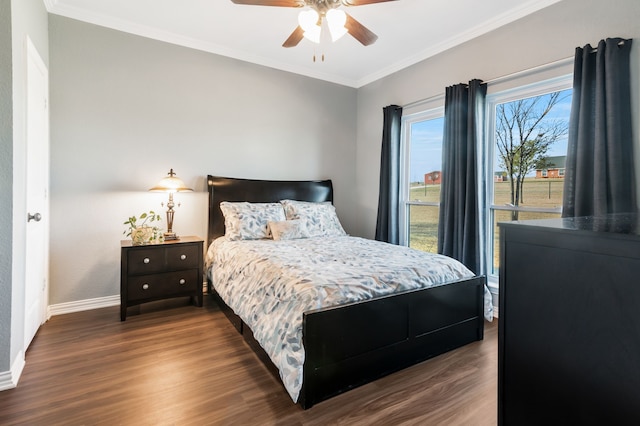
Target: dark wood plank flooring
x,y
175,364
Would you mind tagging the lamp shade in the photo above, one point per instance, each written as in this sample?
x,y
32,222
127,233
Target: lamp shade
x,y
171,184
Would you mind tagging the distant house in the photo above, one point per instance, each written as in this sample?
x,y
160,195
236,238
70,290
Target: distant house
x,y
555,168
433,178
500,176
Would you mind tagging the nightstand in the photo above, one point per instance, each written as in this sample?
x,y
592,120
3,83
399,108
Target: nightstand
x,y
160,271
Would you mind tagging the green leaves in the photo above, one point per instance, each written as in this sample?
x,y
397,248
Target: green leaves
x,y
145,217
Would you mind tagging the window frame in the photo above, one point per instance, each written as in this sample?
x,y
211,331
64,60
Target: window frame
x,y
540,87
405,180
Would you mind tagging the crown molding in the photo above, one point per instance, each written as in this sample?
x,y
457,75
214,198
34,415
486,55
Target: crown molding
x,y
484,28
157,34
49,4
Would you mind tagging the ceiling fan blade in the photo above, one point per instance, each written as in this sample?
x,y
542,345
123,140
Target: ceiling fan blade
x,y
362,2
280,3
294,38
360,32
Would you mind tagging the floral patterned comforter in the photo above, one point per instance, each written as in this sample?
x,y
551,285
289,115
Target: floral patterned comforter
x,y
269,284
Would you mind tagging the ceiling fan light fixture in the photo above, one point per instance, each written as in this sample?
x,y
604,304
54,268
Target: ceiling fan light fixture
x,y
308,21
336,20
313,34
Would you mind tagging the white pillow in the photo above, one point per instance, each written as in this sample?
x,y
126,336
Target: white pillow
x,y
249,221
289,230
320,218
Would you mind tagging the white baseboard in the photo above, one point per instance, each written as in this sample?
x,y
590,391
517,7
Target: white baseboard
x,y
9,379
88,304
84,305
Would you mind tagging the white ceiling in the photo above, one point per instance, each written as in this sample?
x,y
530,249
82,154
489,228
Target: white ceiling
x,y
409,31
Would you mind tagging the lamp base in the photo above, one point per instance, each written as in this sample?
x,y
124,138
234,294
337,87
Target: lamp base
x,y
168,236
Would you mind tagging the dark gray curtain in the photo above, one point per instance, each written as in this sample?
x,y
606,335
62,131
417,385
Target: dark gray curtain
x,y
599,176
388,226
459,226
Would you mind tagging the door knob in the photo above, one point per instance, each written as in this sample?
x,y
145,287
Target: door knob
x,y
37,217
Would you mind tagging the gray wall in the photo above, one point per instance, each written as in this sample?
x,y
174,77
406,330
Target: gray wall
x,y
126,109
6,182
542,38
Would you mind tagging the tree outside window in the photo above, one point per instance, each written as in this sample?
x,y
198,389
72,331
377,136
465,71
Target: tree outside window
x,y
529,137
525,131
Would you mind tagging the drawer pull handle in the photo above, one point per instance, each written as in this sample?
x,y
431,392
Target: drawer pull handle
x,y
145,286
183,256
146,260
182,281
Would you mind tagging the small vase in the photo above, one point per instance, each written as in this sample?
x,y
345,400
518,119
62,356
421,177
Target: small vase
x,y
142,236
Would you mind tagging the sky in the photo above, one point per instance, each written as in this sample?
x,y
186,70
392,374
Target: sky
x,y
426,141
426,148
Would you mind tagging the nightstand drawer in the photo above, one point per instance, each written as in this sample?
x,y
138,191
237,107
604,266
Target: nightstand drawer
x,y
146,260
163,285
183,256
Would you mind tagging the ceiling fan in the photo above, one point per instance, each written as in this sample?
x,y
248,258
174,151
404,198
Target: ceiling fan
x,y
322,14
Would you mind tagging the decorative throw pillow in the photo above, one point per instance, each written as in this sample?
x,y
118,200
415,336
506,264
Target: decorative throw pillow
x,y
289,230
249,221
320,218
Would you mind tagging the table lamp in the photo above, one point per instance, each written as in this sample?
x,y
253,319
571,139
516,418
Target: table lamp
x,y
170,184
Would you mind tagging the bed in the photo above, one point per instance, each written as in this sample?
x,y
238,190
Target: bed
x,y
353,341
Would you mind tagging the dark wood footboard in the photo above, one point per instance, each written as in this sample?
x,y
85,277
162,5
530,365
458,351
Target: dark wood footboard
x,y
350,345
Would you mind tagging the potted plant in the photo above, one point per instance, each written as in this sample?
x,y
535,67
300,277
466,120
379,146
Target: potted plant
x,y
140,230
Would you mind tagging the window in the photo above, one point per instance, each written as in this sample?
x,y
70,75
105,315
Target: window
x,y
422,171
527,142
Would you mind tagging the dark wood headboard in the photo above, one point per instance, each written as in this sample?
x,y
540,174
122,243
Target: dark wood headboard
x,y
259,191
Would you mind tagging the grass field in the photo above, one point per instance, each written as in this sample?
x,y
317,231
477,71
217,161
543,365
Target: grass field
x,y
423,220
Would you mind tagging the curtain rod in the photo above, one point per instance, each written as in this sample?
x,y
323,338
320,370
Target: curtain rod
x,y
423,101
500,79
548,65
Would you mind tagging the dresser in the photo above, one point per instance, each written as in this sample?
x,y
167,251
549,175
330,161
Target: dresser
x,y
569,326
160,271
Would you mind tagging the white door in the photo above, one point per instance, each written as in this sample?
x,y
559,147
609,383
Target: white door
x,y
37,243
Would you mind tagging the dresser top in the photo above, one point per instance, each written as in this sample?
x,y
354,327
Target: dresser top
x,y
622,223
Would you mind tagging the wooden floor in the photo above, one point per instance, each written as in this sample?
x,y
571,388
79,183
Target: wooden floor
x,y
183,365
